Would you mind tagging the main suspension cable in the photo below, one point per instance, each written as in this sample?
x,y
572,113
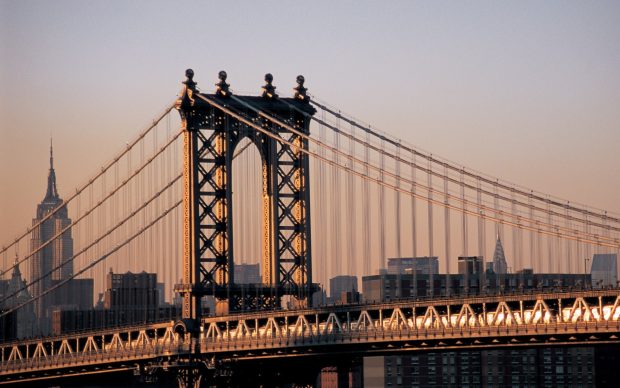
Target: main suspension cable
x,y
472,175
89,266
96,241
429,171
460,170
250,123
92,209
103,170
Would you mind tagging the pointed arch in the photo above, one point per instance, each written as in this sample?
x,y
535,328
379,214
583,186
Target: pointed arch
x,y
431,318
365,321
332,324
466,317
540,313
397,320
143,339
169,336
612,313
116,343
65,348
16,354
242,329
503,315
213,331
272,328
580,312
302,326
90,346
40,351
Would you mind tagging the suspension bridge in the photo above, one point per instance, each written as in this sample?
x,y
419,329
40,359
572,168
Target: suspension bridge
x,y
306,192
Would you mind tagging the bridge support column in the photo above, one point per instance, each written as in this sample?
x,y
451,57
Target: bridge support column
x,y
189,378
213,126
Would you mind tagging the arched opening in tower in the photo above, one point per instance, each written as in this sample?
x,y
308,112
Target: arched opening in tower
x,y
247,192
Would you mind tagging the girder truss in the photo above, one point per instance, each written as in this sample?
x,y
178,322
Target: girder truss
x,y
527,320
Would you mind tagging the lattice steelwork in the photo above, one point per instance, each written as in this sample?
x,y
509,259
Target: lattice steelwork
x,y
577,318
211,136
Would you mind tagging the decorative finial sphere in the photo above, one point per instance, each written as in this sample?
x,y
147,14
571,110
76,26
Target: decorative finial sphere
x,y
300,80
268,78
222,75
189,73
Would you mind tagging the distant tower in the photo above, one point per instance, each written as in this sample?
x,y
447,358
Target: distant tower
x,y
17,288
499,259
57,252
19,323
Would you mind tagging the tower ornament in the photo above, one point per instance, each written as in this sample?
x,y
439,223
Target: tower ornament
x,y
222,87
300,90
189,88
269,91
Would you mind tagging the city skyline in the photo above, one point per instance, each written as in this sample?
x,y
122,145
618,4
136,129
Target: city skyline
x,y
191,231
541,103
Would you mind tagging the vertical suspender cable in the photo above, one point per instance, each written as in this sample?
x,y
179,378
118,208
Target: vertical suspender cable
x,y
481,233
498,225
446,213
532,235
414,236
431,285
382,258
587,248
549,242
335,238
568,258
464,215
366,209
352,203
397,228
322,208
515,254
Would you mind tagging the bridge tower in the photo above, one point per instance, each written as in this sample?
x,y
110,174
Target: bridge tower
x,y
211,134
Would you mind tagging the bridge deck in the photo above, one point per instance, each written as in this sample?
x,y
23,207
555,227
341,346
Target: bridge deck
x,y
585,317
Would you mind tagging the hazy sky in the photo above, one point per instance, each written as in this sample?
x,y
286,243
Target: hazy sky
x,y
527,91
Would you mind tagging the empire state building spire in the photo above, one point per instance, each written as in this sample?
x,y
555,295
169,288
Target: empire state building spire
x,y
52,193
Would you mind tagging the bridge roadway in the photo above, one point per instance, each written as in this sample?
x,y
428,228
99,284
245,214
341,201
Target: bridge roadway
x,y
541,319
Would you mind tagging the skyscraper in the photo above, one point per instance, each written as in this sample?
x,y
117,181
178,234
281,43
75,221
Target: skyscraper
x,y
499,259
19,323
55,254
604,270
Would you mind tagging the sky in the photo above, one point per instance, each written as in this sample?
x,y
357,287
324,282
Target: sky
x,y
527,91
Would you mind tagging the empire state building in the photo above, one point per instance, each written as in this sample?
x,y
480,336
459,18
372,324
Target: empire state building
x,y
57,252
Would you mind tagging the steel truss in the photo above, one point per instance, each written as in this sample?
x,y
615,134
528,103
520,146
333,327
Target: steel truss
x,y
569,319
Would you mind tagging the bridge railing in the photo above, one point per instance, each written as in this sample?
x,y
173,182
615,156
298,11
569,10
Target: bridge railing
x,y
585,317
595,311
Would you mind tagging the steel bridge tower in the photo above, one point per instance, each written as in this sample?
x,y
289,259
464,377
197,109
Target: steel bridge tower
x,y
210,137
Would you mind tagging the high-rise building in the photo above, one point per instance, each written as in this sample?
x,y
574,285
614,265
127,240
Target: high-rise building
x,y
131,292
540,367
482,368
247,274
604,270
51,262
420,265
470,265
20,323
129,298
343,289
56,252
499,258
